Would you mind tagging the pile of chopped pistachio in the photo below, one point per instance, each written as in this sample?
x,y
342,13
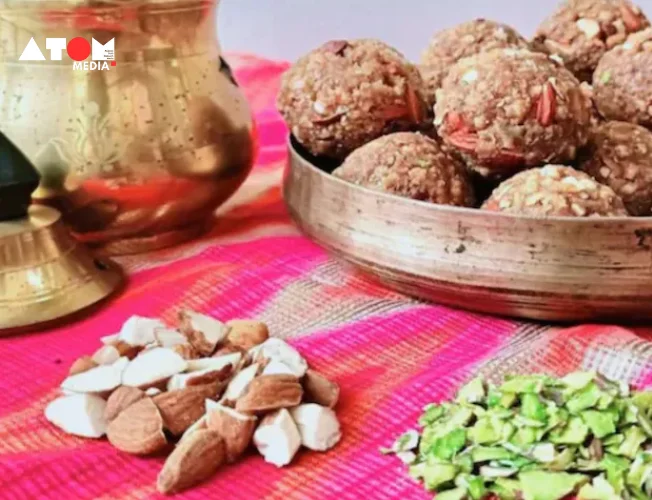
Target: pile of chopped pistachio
x,y
535,438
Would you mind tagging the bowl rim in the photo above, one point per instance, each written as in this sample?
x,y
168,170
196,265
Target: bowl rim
x,y
451,209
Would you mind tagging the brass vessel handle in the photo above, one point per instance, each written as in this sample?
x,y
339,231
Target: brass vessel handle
x,y
226,69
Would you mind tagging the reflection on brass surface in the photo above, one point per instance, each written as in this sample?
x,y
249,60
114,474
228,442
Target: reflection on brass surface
x,y
139,156
45,274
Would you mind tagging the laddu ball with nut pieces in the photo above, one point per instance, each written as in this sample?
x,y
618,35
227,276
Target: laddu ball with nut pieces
x,y
450,45
411,165
505,110
623,81
555,190
620,156
347,93
580,32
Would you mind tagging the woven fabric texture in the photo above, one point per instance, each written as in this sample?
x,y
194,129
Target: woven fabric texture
x,y
390,354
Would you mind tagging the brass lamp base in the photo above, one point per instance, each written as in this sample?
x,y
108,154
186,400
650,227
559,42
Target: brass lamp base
x,y
46,275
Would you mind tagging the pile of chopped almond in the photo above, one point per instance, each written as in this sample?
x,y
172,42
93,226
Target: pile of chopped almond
x,y
216,387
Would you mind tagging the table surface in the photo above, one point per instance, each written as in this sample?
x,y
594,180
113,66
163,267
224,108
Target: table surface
x,y
390,354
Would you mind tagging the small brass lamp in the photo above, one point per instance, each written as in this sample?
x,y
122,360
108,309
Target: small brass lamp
x,y
45,275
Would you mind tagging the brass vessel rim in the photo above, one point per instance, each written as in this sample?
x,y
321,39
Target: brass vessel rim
x,y
297,153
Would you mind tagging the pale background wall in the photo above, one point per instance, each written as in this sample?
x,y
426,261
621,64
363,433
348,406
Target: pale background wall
x,y
285,29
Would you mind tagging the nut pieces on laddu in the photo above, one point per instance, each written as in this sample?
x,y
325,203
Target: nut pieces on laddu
x,y
450,45
203,385
501,106
555,190
506,110
411,165
580,32
623,81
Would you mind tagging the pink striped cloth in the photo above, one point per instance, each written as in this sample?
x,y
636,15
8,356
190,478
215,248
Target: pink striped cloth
x,y
390,354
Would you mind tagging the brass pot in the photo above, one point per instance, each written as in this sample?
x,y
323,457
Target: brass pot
x,y
137,156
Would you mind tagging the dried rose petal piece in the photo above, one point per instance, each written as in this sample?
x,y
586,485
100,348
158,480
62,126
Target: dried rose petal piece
x,y
455,122
336,46
327,120
394,112
616,39
630,18
415,106
547,105
464,141
508,158
577,103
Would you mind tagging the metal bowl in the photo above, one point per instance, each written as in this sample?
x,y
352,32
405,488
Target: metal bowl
x,y
554,269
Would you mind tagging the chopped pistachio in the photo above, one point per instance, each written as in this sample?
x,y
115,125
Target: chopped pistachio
x,y
524,437
634,438
599,489
533,408
459,417
446,447
407,457
646,423
535,438
575,432
488,453
578,380
507,489
490,472
643,400
432,414
614,440
541,485
640,473
436,475
476,488
416,471
486,431
408,441
464,462
498,399
494,398
585,398
515,462
473,392
557,417
524,384
544,452
606,400
456,494
630,414
587,465
474,485
601,423
616,468
528,422
563,460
